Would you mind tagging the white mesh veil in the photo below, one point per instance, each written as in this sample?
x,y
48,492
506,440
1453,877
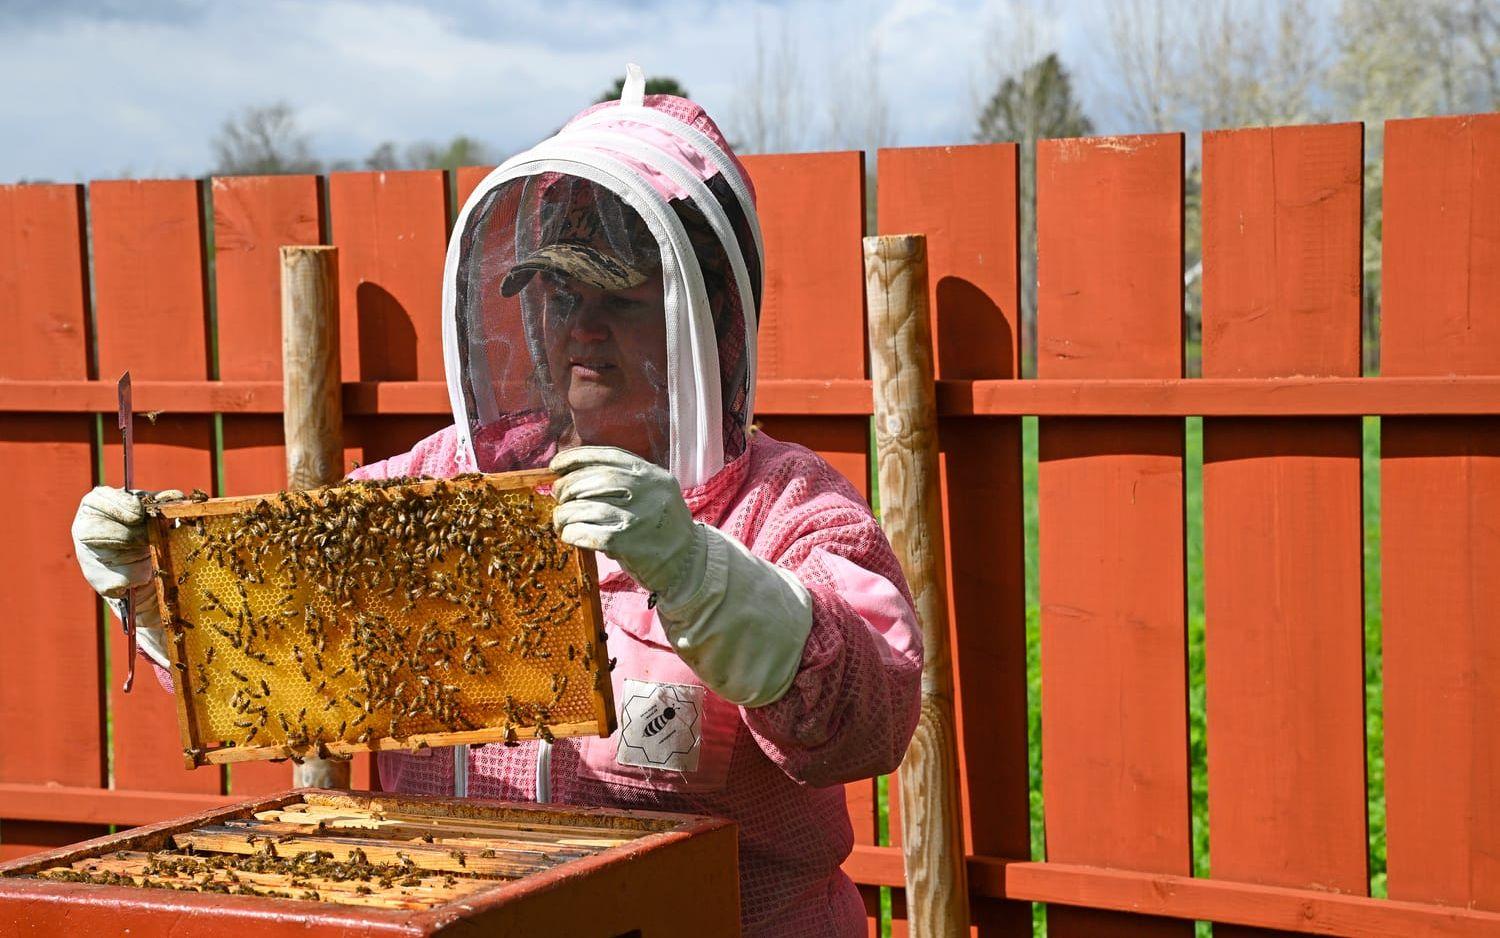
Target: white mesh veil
x,y
602,288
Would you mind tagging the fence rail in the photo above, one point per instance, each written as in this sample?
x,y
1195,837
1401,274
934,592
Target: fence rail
x,y
1163,397
177,281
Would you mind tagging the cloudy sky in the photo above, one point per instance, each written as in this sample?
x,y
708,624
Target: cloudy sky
x,y
103,88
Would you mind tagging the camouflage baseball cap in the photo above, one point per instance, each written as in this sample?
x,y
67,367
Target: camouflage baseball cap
x,y
577,261
586,233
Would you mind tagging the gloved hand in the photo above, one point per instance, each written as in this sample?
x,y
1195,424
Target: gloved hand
x,y
109,536
613,501
738,621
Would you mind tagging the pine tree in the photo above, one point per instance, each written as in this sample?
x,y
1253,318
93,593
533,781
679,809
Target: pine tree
x,y
661,84
1034,105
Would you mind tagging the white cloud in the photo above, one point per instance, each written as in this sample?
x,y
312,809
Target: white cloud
x,y
94,91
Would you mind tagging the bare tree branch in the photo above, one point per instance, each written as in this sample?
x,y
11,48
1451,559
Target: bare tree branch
x,y
1142,37
769,112
857,113
263,140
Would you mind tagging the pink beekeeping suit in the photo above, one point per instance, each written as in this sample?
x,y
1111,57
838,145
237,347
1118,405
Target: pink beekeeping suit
x,y
775,770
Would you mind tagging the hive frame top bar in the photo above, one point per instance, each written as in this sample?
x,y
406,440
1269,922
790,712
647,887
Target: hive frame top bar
x,y
528,478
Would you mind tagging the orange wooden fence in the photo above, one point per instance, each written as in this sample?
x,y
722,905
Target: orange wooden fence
x,y
182,289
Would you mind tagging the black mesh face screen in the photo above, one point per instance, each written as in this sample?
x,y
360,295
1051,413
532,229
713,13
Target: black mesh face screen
x,y
560,318
563,310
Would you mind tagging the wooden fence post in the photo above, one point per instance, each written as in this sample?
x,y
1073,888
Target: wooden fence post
x,y
313,405
937,896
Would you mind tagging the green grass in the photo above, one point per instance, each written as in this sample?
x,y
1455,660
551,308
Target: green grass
x,y
1374,712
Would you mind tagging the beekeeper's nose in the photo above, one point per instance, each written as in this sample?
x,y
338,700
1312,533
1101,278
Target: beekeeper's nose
x,y
590,322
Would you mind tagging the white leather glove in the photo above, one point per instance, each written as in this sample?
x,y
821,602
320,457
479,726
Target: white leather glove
x,y
109,536
738,621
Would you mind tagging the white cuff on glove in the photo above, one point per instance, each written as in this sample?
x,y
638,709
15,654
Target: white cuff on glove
x,y
738,621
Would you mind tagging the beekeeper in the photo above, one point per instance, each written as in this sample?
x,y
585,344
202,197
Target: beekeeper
x,y
600,302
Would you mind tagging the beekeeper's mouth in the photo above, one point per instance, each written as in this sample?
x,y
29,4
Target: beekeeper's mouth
x,y
591,369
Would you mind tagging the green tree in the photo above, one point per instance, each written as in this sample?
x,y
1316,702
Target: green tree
x,y
460,151
1038,103
263,140
661,84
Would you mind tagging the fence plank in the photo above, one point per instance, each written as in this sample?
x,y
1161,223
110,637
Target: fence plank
x,y
153,321
811,205
1440,496
51,659
1110,499
391,229
964,200
465,180
812,324
1283,575
253,216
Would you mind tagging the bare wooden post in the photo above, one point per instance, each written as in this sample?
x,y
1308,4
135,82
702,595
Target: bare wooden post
x,y
937,896
313,404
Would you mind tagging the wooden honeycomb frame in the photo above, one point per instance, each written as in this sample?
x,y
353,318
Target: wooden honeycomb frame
x,y
498,669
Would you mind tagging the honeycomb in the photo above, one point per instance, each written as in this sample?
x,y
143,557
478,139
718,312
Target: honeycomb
x,y
378,615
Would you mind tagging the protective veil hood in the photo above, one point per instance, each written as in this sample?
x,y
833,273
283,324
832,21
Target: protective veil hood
x,y
628,195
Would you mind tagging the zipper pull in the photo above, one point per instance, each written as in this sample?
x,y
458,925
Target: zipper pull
x,y
634,92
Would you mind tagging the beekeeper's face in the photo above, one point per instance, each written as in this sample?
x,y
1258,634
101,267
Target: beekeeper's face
x,y
607,358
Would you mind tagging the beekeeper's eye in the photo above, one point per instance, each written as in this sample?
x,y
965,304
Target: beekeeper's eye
x,y
561,300
624,303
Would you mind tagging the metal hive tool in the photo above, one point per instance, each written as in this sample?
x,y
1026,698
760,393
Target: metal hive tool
x,y
378,615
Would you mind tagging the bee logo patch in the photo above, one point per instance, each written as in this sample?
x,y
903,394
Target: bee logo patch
x,y
661,726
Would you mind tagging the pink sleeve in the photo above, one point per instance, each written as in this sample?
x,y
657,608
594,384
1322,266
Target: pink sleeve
x,y
163,676
852,707
435,457
392,468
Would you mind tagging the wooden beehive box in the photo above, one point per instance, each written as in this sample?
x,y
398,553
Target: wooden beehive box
x,y
378,615
319,862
